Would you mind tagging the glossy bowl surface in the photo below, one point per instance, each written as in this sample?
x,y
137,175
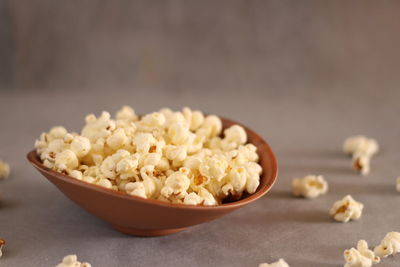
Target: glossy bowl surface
x,y
149,217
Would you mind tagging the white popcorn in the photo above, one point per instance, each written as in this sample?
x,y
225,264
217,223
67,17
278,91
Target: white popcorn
x,y
176,153
117,139
76,174
136,189
176,157
361,163
4,170
311,186
192,199
72,261
126,113
280,263
214,167
360,257
346,209
178,133
360,145
390,245
235,134
80,146
209,199
66,160
176,184
143,142
398,184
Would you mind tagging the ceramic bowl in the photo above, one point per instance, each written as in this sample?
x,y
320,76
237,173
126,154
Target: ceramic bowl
x,y
147,217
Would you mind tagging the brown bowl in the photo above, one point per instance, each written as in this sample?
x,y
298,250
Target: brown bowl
x,y
148,217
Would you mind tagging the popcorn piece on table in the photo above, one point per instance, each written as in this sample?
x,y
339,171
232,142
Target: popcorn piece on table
x,y
361,256
4,170
361,163
362,149
390,245
310,186
280,263
360,144
72,261
398,184
346,209
2,243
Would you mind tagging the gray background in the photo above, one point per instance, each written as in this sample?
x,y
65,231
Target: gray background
x,y
303,74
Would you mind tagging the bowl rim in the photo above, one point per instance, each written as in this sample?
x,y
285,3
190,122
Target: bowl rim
x,y
34,159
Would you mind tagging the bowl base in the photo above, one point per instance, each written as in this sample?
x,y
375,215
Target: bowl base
x,y
146,232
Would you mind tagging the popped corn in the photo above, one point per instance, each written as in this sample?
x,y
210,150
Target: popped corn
x,y
361,256
72,261
360,144
179,157
346,209
4,170
280,263
390,245
310,186
362,149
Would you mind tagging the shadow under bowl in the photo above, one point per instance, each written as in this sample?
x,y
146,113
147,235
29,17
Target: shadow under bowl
x,y
149,217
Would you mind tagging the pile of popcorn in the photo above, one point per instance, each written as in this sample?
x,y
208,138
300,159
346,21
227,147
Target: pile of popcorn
x,y
177,157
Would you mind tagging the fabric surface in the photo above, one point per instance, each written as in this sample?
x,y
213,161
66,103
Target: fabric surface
x,y
304,126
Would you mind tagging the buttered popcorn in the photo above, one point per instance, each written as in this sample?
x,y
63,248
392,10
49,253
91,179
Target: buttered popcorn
x,y
346,209
310,186
178,157
361,256
72,261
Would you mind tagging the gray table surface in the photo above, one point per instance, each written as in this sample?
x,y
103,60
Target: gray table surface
x,y
305,128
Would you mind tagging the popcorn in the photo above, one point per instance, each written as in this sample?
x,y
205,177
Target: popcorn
x,y
361,163
362,256
310,186
362,150
72,261
177,157
4,170
390,245
346,209
360,144
176,184
397,185
280,263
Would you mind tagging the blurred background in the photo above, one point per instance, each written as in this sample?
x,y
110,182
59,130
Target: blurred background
x,y
199,45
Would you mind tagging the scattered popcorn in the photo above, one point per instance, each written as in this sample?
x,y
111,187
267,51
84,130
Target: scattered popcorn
x,y
360,257
72,261
362,149
4,169
178,157
346,209
361,163
280,263
310,186
390,245
2,243
398,184
360,144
